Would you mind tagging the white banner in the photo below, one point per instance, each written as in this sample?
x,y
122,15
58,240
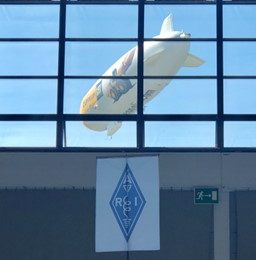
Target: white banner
x,y
127,204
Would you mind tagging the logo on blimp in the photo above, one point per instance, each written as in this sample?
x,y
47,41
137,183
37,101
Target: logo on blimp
x,y
127,202
117,86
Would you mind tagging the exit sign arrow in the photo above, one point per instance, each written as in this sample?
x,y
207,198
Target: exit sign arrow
x,y
206,195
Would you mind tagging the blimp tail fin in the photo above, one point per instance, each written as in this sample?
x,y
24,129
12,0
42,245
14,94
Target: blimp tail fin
x,y
167,25
193,61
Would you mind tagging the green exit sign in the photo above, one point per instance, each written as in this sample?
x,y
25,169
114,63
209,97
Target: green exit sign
x,y
206,195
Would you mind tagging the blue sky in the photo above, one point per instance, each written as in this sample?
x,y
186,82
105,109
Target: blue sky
x,y
179,97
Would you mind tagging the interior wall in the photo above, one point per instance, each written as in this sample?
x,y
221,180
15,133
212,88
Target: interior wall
x,y
60,224
177,170
242,225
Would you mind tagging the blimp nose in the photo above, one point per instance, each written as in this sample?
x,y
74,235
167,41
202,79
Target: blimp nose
x,y
88,101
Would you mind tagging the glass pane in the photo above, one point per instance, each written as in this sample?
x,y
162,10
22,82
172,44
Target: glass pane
x,y
102,96
239,58
29,21
123,17
27,134
240,134
101,134
198,20
101,58
163,96
179,58
180,134
28,58
239,21
240,96
28,96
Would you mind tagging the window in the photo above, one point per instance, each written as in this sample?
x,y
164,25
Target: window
x,y
97,75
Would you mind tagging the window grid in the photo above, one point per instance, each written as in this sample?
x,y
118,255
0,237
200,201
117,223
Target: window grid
x,y
140,118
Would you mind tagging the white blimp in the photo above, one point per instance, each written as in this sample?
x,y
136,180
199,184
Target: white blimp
x,y
119,96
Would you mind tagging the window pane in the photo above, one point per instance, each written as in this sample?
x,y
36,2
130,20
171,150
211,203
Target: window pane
x,y
97,58
28,96
102,96
239,58
94,134
180,96
27,58
180,134
29,21
84,21
240,96
27,134
173,58
198,20
239,134
239,21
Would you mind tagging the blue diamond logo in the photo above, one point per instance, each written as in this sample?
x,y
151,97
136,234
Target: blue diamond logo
x,y
127,202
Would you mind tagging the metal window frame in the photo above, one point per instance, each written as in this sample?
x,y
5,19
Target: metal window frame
x,y
140,118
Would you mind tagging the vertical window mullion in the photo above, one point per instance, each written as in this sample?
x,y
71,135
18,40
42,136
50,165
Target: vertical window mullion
x,y
61,66
140,118
220,102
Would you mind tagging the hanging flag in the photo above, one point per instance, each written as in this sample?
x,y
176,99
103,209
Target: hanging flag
x,y
127,204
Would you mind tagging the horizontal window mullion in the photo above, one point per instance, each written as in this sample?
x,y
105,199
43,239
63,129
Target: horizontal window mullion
x,y
180,39
67,149
242,2
180,77
144,149
240,77
100,77
29,2
95,117
101,39
179,2
239,39
148,117
28,77
135,77
239,149
180,117
28,117
240,117
145,39
121,117
29,39
100,2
